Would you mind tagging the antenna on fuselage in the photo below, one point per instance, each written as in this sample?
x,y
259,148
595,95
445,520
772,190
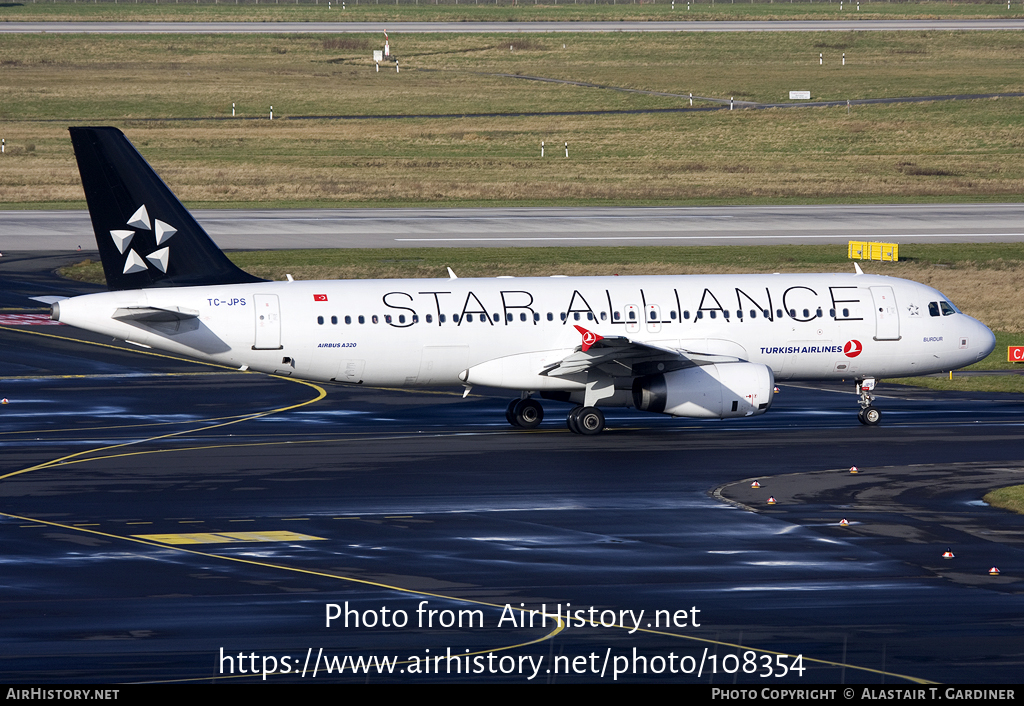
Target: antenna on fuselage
x,y
451,274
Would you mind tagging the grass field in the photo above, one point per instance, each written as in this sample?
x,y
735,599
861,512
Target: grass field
x,y
490,11
173,94
1011,498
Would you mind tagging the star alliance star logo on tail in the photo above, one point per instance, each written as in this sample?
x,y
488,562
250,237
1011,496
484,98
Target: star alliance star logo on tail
x,y
123,238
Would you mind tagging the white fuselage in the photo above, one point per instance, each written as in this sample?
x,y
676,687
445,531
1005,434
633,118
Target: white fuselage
x,y
418,333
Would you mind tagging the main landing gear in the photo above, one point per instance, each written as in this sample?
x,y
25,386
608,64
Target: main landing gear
x,y
528,414
868,414
585,420
525,413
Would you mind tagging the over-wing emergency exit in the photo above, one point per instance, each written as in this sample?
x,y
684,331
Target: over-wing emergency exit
x,y
688,346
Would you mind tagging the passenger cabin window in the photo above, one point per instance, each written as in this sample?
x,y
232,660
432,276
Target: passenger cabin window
x,y
334,320
320,320
430,318
362,319
616,316
373,319
348,319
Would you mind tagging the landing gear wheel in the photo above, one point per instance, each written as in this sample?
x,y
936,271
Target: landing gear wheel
x,y
590,421
860,416
528,413
510,412
870,416
570,419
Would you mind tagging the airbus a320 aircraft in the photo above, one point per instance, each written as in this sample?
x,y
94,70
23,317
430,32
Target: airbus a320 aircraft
x,y
687,346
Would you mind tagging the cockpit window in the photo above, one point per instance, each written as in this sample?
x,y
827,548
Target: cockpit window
x,y
947,308
933,308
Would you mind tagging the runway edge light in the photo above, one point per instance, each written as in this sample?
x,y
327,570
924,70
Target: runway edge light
x,y
947,554
755,484
844,522
771,499
993,571
853,469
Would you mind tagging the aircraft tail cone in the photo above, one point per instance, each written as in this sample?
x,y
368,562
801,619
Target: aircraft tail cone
x,y
993,571
771,499
755,484
844,522
947,554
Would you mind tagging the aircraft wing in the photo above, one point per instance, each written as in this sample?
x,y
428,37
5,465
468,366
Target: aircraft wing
x,y
618,356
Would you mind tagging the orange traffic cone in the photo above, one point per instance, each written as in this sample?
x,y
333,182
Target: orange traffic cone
x,y
947,554
771,499
755,484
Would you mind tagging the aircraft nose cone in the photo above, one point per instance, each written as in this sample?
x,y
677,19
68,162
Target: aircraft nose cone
x,y
987,340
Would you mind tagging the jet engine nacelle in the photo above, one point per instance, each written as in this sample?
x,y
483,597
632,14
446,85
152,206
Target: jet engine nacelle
x,y
709,391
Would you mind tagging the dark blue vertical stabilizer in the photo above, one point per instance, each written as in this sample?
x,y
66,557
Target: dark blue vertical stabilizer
x,y
146,237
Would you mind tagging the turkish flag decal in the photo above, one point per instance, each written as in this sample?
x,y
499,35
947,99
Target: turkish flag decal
x,y
319,297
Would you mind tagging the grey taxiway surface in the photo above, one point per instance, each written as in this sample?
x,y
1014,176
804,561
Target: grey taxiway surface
x,y
483,227
111,456
490,27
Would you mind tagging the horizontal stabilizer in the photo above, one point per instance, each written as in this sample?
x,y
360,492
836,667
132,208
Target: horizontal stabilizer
x,y
152,314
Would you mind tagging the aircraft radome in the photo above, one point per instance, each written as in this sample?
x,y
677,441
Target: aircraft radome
x,y
688,346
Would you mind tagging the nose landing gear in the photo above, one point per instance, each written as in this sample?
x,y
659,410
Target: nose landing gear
x,y
868,415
